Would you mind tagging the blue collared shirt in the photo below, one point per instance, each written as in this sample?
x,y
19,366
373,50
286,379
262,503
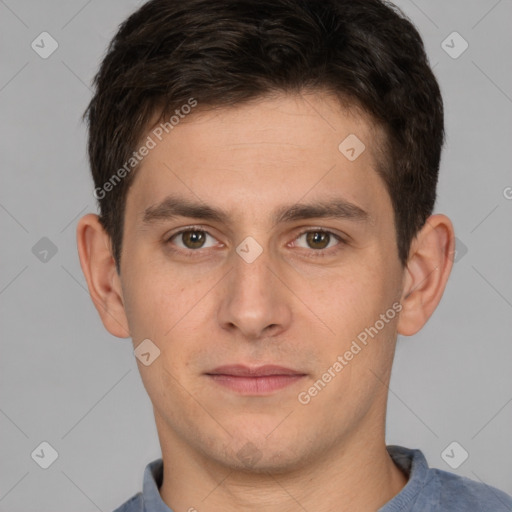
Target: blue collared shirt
x,y
427,490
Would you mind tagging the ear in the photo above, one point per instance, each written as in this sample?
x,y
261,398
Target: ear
x,y
103,281
428,268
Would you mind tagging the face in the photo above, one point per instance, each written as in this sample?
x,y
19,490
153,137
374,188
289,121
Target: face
x,y
288,258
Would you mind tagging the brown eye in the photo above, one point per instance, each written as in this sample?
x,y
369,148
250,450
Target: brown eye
x,y
192,239
318,239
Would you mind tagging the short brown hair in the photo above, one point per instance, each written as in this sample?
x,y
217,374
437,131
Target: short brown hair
x,y
226,52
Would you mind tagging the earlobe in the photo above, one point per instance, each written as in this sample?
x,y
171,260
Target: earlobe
x,y
428,268
100,273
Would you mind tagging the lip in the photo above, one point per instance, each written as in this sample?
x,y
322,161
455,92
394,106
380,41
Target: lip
x,y
260,380
240,370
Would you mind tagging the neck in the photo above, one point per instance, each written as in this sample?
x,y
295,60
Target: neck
x,y
357,474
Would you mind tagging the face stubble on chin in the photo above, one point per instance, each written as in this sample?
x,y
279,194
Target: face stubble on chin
x,y
288,307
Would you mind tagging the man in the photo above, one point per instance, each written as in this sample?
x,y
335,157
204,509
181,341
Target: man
x,y
266,174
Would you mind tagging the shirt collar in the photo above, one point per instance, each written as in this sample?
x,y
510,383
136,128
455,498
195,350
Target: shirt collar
x,y
414,465
153,476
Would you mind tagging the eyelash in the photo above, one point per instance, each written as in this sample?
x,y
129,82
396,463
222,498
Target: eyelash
x,y
319,253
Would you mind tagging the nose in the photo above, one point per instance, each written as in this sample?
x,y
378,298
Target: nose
x,y
255,301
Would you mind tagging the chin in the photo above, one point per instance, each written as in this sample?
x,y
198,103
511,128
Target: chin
x,y
262,457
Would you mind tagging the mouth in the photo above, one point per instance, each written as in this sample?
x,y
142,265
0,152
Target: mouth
x,y
261,380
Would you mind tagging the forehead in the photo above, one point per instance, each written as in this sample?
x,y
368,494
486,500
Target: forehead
x,y
256,155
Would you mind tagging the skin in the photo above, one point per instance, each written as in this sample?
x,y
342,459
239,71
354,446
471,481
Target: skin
x,y
284,308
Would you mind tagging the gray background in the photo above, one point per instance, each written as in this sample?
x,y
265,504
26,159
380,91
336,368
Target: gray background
x,y
65,380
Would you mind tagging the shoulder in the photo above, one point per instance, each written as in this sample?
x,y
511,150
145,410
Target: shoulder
x,y
461,494
134,504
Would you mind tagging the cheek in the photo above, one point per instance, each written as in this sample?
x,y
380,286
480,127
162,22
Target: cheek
x,y
354,300
148,301
163,305
347,293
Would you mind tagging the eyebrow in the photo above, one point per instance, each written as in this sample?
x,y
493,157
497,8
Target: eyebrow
x,y
172,207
